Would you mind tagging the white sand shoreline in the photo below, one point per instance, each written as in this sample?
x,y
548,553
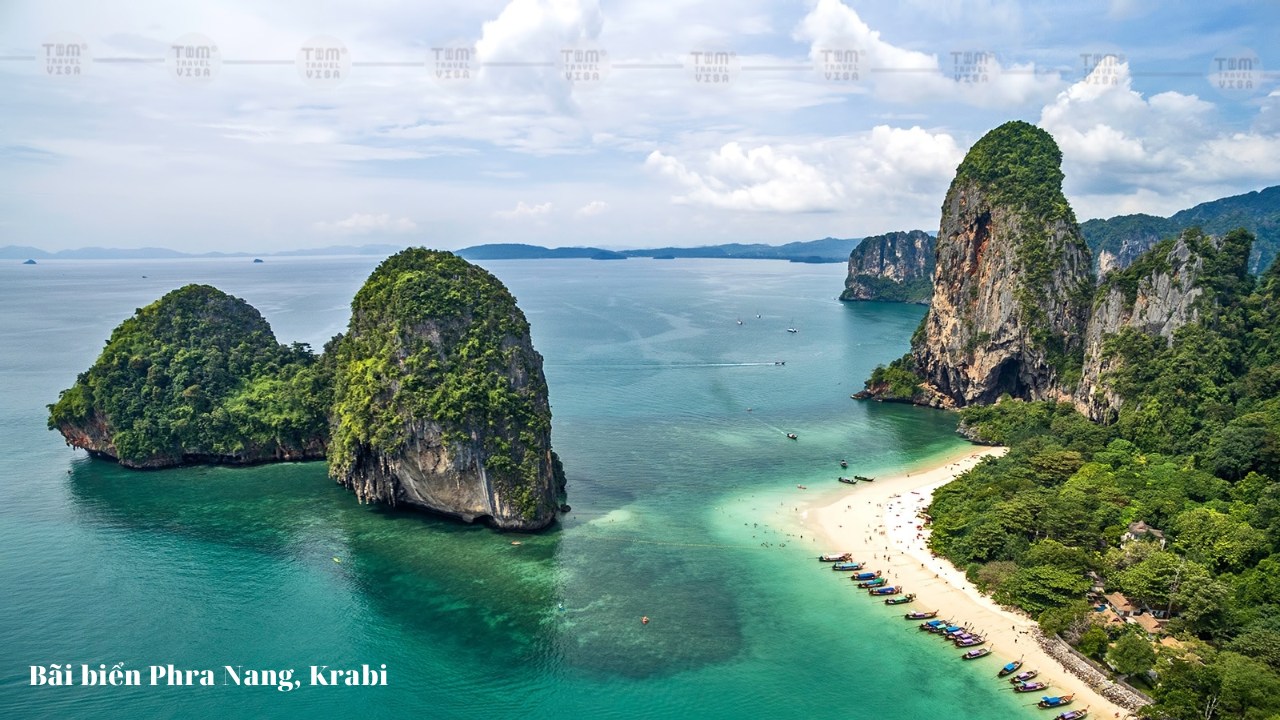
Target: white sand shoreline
x,y
877,522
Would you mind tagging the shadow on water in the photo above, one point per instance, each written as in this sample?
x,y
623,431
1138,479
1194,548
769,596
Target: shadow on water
x,y
549,601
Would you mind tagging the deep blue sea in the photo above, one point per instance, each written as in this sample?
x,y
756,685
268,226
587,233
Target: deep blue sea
x,y
670,418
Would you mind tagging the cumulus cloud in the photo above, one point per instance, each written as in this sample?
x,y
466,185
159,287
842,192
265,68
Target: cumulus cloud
x,y
974,76
872,171
595,207
524,210
367,224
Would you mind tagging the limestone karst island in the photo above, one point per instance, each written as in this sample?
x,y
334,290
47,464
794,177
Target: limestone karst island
x,y
434,398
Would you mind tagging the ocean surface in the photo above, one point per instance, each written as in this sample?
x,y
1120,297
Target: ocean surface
x,y
670,417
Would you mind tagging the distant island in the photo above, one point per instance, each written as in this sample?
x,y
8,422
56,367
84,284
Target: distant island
x,y
15,252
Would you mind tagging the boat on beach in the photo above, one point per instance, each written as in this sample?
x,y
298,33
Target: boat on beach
x,y
970,641
863,478
1010,668
1073,714
846,480
888,590
835,557
931,625
877,582
1053,701
921,614
976,653
868,575
909,597
846,566
1030,686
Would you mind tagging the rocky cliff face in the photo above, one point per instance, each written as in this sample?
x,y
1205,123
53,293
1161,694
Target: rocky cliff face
x,y
895,267
1013,278
441,402
1155,295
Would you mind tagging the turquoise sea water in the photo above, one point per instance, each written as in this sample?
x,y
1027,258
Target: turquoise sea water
x,y
684,509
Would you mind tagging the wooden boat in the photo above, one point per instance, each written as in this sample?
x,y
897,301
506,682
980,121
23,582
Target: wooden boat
x,y
909,597
932,624
1010,668
846,480
868,575
873,583
1073,714
835,557
864,478
976,653
890,590
948,629
971,641
1053,701
1024,676
846,566
1032,686
921,614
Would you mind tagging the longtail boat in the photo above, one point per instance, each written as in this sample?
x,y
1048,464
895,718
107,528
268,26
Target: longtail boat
x,y
909,597
863,478
835,557
932,624
970,641
1024,676
846,566
945,629
1010,668
868,575
976,653
1073,714
848,481
877,582
890,590
1030,686
920,615
1053,701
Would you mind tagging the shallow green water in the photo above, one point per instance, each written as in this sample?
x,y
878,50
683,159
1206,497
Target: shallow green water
x,y
680,499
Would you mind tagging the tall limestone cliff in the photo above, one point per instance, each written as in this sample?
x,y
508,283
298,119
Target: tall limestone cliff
x,y
894,267
1161,291
1013,278
441,402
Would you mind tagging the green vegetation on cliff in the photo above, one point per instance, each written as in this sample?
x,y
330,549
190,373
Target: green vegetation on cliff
x,y
435,339
883,289
1021,166
197,373
1195,453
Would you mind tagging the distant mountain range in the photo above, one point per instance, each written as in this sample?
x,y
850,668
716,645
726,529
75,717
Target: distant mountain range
x,y
821,251
1117,242
21,252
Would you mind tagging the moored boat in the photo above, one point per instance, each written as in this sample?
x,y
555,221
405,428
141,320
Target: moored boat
x,y
889,590
863,477
1030,686
1010,668
1024,676
877,582
1053,701
921,614
976,653
844,463
909,597
846,566
1073,714
848,481
868,575
932,625
792,436
970,641
835,557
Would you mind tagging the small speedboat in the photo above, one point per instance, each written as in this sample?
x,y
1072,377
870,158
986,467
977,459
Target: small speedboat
x,y
976,653
792,436
844,464
1053,701
792,330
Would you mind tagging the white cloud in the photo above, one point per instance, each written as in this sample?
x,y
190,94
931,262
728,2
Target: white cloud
x,y
523,210
367,224
595,207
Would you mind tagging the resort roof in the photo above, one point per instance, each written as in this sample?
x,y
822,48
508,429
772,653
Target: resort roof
x,y
1120,602
1140,528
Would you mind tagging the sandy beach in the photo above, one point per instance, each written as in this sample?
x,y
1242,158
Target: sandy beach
x,y
878,523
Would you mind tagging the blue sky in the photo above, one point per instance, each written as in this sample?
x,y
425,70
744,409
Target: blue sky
x,y
772,144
